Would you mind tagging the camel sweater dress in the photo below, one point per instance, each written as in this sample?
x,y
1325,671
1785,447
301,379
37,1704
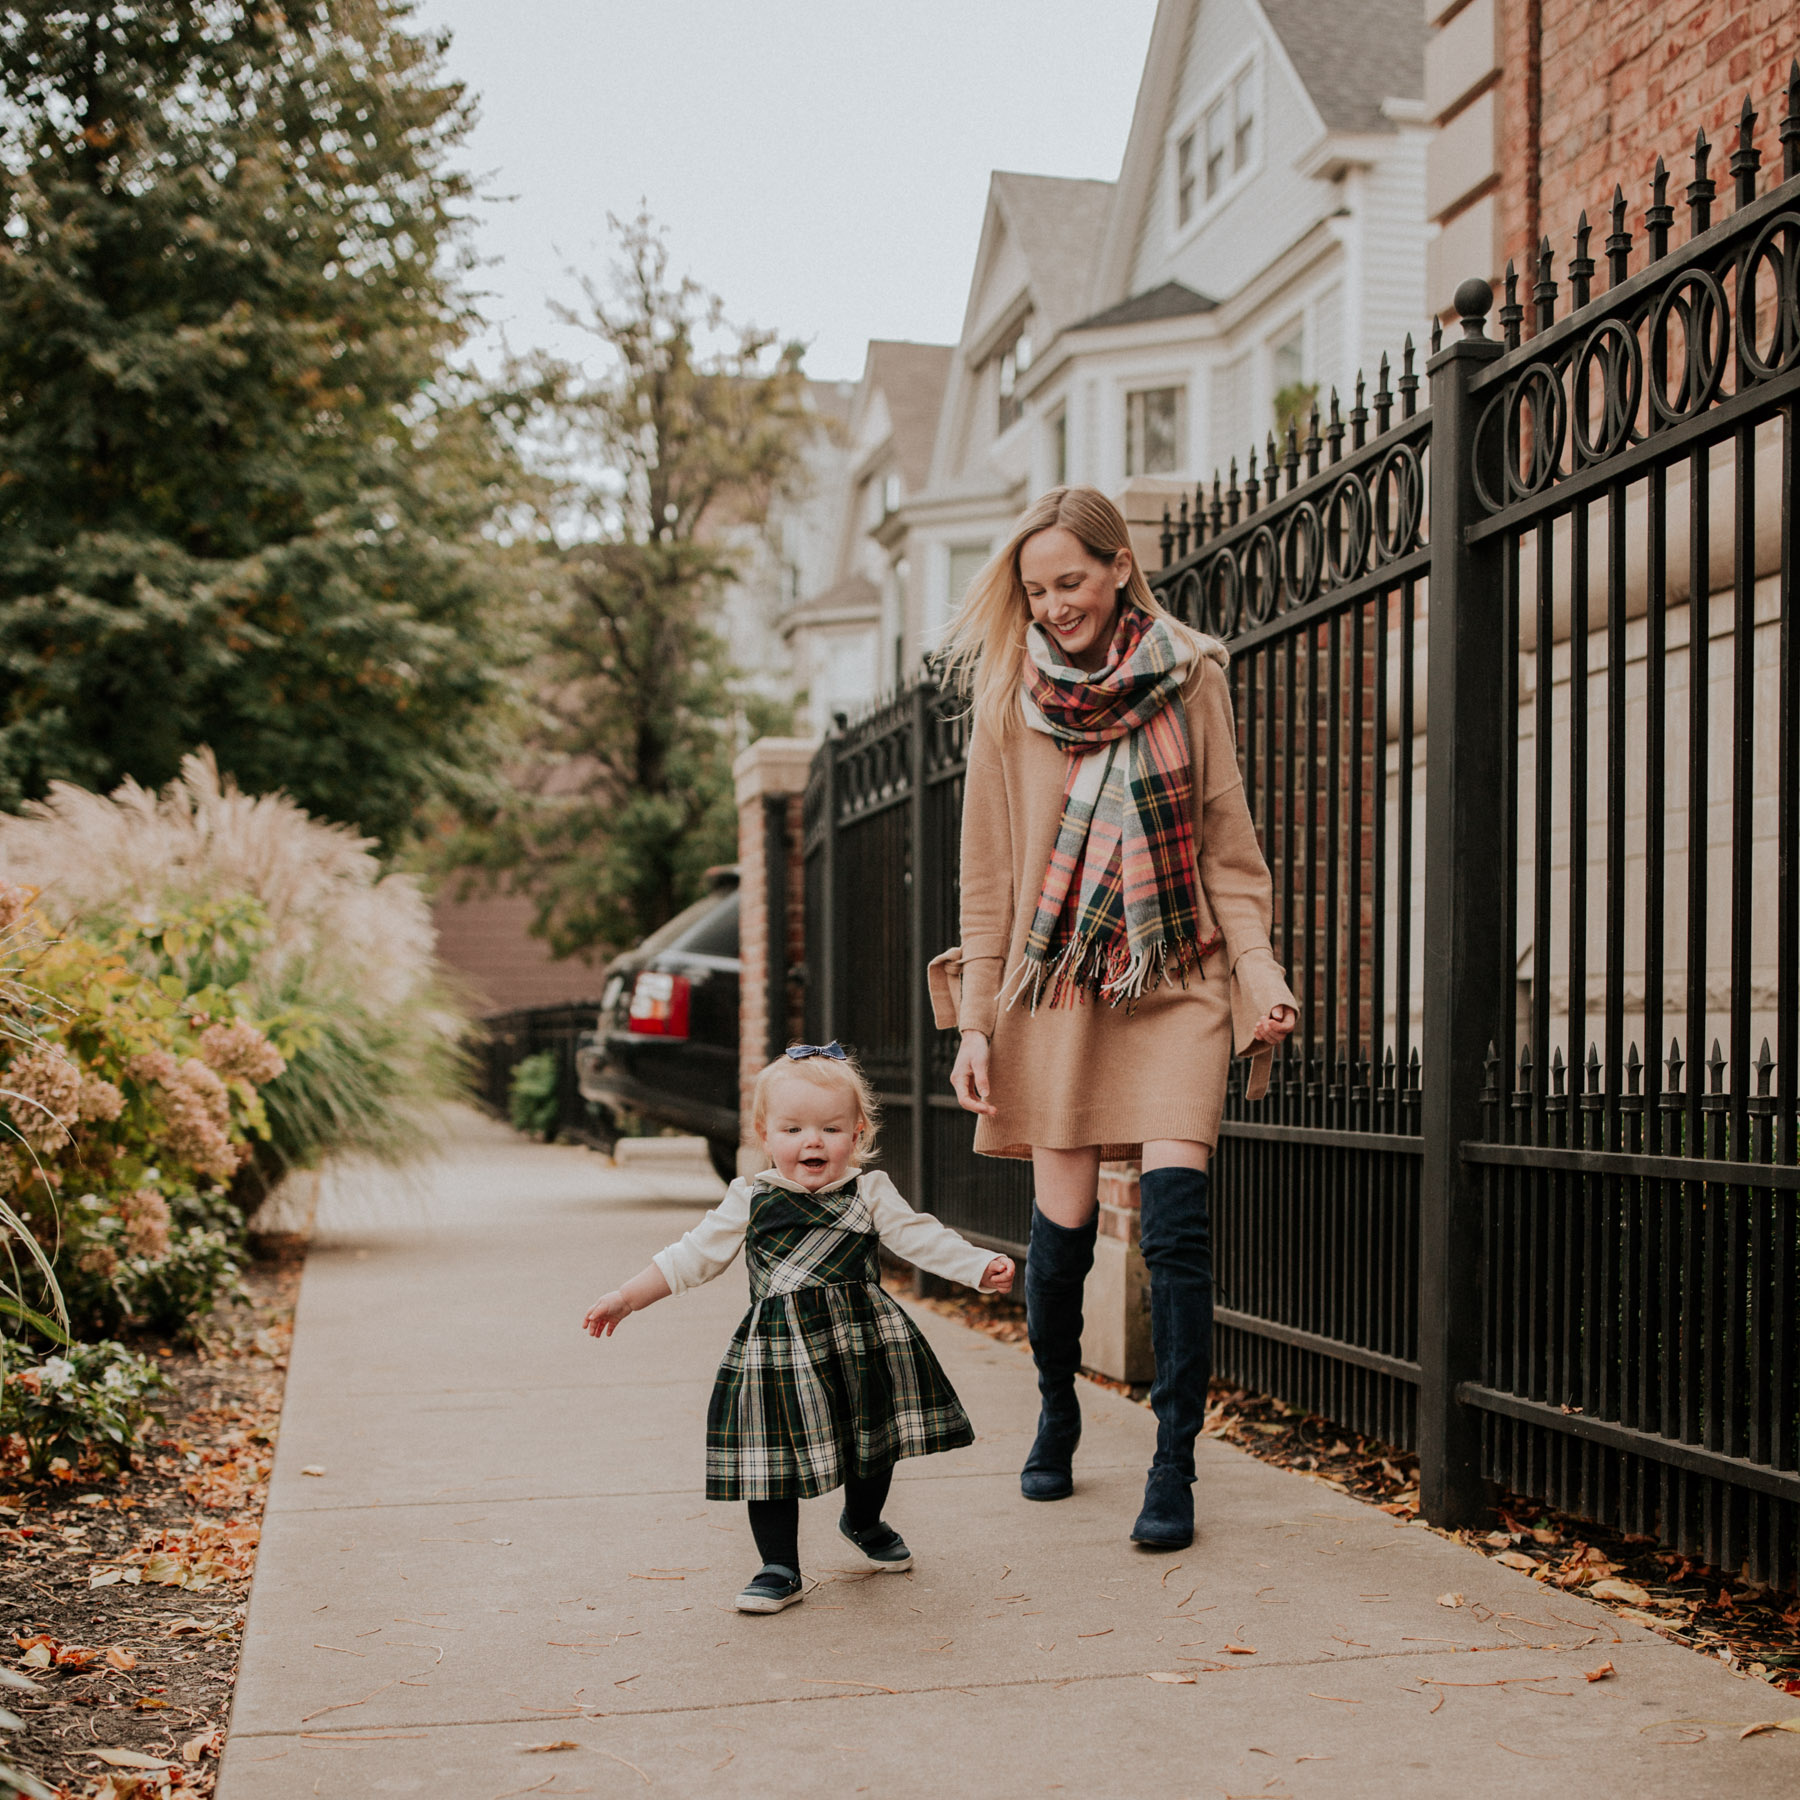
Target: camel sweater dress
x,y
1089,1072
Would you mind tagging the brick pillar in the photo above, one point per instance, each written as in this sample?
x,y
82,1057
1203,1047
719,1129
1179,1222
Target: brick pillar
x,y
771,773
1116,1336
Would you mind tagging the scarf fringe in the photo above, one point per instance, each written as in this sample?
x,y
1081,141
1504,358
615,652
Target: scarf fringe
x,y
1108,970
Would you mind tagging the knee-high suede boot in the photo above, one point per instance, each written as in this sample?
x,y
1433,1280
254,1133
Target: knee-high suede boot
x,y
1056,1267
1176,1237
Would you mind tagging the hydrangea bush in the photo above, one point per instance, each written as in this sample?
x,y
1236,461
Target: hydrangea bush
x,y
131,1101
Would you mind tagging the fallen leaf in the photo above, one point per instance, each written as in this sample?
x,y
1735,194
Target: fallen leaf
x,y
1770,1725
1611,1589
316,1469
121,1659
1239,1650
1601,1673
131,1759
39,1656
545,1749
1450,1599
1180,1677
196,1747
1516,1559
151,1703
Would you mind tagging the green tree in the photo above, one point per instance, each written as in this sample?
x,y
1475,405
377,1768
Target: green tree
x,y
690,432
244,496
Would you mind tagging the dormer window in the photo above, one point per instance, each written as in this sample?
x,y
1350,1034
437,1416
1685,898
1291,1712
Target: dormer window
x,y
1218,149
1014,357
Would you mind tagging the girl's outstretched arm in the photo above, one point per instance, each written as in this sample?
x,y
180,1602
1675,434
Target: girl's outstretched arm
x,y
643,1289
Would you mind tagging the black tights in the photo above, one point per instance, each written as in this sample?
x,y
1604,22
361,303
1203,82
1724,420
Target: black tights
x,y
775,1524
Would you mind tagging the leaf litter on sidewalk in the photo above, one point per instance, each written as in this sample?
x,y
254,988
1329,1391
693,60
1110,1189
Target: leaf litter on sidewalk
x,y
1752,1629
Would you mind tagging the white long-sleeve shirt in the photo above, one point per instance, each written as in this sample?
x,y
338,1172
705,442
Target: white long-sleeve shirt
x,y
919,1238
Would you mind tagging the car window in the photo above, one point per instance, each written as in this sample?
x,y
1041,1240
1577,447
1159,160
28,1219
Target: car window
x,y
714,935
671,934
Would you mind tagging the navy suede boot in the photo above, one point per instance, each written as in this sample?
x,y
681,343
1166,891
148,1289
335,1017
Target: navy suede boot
x,y
1056,1268
1176,1239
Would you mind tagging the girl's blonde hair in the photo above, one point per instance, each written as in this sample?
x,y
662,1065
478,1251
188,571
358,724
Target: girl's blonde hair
x,y
843,1078
985,650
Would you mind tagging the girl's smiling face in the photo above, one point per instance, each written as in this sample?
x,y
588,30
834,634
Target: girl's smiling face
x,y
811,1131
1073,595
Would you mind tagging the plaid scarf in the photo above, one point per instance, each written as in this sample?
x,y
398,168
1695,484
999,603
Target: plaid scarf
x,y
1118,913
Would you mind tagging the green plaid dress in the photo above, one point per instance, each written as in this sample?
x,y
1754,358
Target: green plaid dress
x,y
826,1377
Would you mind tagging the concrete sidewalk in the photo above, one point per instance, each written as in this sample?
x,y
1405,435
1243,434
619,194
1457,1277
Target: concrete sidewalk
x,y
508,1547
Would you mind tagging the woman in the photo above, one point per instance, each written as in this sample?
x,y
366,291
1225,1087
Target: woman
x,y
1115,921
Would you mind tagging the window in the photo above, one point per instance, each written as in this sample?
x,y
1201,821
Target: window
x,y
1059,449
1219,149
1243,123
1291,393
1153,431
1218,133
966,562
890,494
1015,359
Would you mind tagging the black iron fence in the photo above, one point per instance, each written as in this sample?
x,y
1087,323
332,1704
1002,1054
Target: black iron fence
x,y
1481,1211
502,1041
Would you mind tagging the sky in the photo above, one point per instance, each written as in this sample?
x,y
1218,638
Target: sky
x,y
820,164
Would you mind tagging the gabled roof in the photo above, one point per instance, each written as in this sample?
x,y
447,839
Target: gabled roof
x,y
911,377
852,600
1348,55
1351,55
1057,223
1173,300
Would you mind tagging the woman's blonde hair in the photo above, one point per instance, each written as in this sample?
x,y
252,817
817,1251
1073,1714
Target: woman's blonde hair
x,y
843,1078
985,651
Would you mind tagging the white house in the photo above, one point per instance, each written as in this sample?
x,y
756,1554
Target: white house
x,y
1266,236
844,634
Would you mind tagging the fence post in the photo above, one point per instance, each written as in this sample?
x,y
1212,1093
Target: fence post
x,y
827,964
1467,972
924,875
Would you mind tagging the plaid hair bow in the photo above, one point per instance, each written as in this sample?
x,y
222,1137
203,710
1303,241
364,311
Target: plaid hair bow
x,y
800,1052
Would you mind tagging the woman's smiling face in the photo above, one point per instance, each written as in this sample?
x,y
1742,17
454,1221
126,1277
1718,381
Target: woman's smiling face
x,y
810,1131
1073,595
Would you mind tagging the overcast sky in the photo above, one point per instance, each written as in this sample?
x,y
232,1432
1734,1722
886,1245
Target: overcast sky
x,y
821,164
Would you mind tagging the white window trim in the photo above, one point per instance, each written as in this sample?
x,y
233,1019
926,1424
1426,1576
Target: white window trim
x,y
1182,380
1205,209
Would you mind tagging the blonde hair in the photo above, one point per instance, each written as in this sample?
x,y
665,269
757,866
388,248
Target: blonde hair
x,y
844,1078
985,650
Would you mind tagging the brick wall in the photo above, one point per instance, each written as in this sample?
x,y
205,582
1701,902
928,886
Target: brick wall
x,y
1624,81
1542,106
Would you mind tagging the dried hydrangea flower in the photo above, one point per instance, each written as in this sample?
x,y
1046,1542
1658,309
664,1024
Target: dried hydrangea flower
x,y
240,1052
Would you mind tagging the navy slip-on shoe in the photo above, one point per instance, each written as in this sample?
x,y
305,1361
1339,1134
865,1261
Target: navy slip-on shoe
x,y
772,1589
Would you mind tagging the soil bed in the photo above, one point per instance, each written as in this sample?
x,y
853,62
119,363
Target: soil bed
x,y
124,1596
1754,1629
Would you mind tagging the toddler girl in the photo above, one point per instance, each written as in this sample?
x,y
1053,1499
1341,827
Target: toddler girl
x,y
827,1382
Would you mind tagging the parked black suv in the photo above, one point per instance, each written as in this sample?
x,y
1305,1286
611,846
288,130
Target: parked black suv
x,y
666,1046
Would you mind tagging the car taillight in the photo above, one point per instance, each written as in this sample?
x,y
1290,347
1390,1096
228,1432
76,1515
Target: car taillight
x,y
659,1005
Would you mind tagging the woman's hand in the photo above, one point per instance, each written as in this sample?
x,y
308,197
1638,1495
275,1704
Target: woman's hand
x,y
969,1078
606,1315
1279,1024
997,1277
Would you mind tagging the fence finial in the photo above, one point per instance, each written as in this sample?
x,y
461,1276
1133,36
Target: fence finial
x,y
1765,1065
1232,496
1618,249
1168,537
1334,432
1384,398
1313,444
1409,380
1252,486
1359,416
1634,1068
1182,529
1581,266
1512,314
1543,292
1746,159
1271,474
1702,188
1659,215
1675,1065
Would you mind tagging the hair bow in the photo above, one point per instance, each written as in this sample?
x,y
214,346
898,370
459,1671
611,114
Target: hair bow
x,y
800,1052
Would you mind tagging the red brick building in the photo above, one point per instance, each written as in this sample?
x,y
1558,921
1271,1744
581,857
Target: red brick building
x,y
1543,105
